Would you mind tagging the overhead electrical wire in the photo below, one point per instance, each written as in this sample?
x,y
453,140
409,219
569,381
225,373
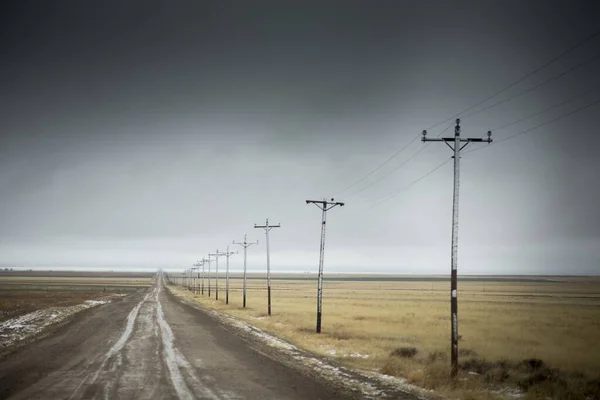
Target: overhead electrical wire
x,y
577,110
379,166
524,77
562,103
551,79
511,85
390,196
399,165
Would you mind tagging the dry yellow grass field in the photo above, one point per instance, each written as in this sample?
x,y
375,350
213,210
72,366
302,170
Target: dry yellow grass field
x,y
375,326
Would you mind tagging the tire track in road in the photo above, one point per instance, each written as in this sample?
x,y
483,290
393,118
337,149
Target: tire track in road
x,y
144,361
177,361
116,348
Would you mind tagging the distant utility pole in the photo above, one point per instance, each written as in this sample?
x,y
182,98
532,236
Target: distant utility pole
x,y
216,256
227,254
197,265
204,262
245,245
454,249
194,278
267,228
324,206
208,260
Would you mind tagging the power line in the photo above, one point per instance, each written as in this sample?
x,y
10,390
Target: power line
x,y
379,166
562,103
513,84
551,79
390,196
577,110
398,166
524,77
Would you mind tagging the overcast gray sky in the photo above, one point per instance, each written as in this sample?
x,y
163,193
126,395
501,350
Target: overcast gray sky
x,y
148,134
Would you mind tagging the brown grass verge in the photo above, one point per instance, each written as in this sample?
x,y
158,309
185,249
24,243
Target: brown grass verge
x,y
536,337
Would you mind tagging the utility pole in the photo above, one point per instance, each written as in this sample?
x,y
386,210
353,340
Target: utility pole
x,y
267,228
227,254
198,264
194,277
208,260
197,277
245,245
457,140
204,261
216,255
324,206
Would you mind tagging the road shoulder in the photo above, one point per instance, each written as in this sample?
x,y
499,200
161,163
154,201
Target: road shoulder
x,y
356,384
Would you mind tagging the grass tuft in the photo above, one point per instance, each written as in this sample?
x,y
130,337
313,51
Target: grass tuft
x,y
405,352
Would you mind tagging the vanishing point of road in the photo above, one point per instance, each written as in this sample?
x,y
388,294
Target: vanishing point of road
x,y
151,346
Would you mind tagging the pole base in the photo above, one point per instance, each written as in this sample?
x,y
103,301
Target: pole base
x,y
319,322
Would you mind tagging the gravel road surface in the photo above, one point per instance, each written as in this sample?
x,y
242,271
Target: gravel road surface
x,y
150,346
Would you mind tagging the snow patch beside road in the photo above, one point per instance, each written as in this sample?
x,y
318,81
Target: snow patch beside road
x,y
26,326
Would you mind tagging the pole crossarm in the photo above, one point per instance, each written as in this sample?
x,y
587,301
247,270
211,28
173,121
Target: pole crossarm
x,y
266,226
325,205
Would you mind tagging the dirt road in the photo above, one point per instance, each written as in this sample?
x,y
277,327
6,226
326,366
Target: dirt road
x,y
149,346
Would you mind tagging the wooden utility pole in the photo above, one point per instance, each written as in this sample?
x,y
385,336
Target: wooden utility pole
x,y
457,140
227,255
216,256
245,244
267,228
324,206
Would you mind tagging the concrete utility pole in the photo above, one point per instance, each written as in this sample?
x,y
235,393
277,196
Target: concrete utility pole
x,y
227,254
454,248
267,228
216,256
324,206
245,245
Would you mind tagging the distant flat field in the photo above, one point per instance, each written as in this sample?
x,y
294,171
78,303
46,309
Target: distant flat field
x,y
368,322
74,280
24,292
78,274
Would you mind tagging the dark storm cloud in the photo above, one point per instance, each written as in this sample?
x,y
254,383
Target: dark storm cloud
x,y
186,122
